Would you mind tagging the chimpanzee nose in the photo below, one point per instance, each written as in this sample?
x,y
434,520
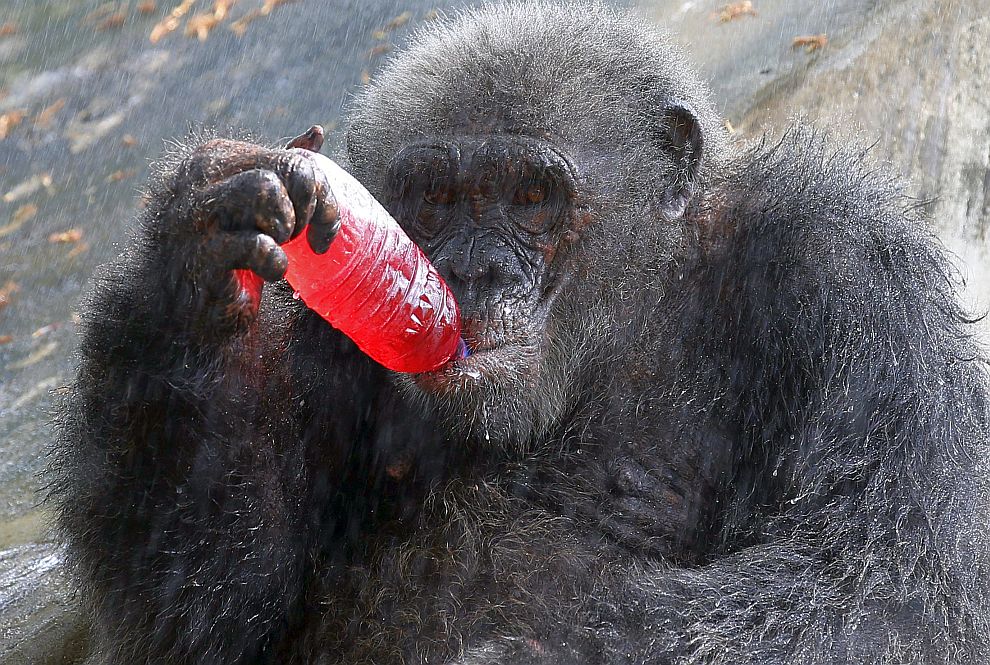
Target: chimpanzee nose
x,y
477,263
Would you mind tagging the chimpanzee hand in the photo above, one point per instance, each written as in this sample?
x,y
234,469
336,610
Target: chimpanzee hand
x,y
238,202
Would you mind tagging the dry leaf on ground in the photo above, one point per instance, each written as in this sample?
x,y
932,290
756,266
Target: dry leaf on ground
x,y
28,187
7,291
9,120
122,174
23,214
72,235
810,42
201,24
34,357
112,22
171,22
46,115
735,10
399,21
44,330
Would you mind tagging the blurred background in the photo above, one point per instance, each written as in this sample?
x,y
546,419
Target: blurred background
x,y
91,91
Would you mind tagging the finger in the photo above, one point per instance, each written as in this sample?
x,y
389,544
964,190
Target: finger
x,y
299,180
254,199
311,139
220,159
254,251
325,222
303,188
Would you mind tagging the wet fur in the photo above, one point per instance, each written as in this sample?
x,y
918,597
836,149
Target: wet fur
x,y
768,440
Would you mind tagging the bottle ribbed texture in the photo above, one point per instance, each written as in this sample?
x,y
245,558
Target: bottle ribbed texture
x,y
374,284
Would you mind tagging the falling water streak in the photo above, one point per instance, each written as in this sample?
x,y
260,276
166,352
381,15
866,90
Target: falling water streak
x,y
484,422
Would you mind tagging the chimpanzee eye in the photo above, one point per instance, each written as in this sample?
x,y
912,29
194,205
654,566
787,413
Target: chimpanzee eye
x,y
438,195
531,194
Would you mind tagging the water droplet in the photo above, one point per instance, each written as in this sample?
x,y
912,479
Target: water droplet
x,y
296,295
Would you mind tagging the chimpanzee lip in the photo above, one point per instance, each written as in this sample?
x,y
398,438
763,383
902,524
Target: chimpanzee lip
x,y
488,363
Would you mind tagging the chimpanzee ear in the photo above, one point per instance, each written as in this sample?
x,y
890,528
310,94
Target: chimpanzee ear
x,y
680,136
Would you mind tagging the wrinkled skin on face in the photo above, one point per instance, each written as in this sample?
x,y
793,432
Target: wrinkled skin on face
x,y
497,215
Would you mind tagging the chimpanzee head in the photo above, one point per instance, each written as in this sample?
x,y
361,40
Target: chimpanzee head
x,y
545,167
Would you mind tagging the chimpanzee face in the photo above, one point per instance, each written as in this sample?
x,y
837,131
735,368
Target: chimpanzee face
x,y
494,213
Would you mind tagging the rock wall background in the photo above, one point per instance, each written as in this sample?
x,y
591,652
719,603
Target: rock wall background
x,y
86,100
913,77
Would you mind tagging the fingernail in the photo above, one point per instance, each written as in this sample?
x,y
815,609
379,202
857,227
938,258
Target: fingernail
x,y
311,139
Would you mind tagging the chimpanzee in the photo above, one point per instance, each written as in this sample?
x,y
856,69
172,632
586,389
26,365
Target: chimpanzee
x,y
722,404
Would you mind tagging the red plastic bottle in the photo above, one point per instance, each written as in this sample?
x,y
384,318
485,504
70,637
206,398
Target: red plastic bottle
x,y
375,285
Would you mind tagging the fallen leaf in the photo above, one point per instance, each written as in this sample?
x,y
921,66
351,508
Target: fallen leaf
x,y
8,121
6,339
171,22
378,50
100,12
240,26
77,250
72,235
399,21
128,140
431,15
44,118
7,229
23,214
44,330
810,42
162,28
121,174
734,10
272,4
7,292
112,22
8,28
728,126
36,391
222,7
365,76
35,357
83,133
28,187
147,7
201,24
396,22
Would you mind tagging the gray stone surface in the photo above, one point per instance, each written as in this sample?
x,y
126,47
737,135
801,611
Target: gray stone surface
x,y
40,620
911,75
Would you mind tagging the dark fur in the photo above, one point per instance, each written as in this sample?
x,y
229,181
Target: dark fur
x,y
761,438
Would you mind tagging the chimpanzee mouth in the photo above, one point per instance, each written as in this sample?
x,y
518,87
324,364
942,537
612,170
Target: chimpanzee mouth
x,y
489,364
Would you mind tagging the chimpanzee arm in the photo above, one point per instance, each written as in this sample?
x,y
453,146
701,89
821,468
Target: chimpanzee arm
x,y
862,407
179,501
